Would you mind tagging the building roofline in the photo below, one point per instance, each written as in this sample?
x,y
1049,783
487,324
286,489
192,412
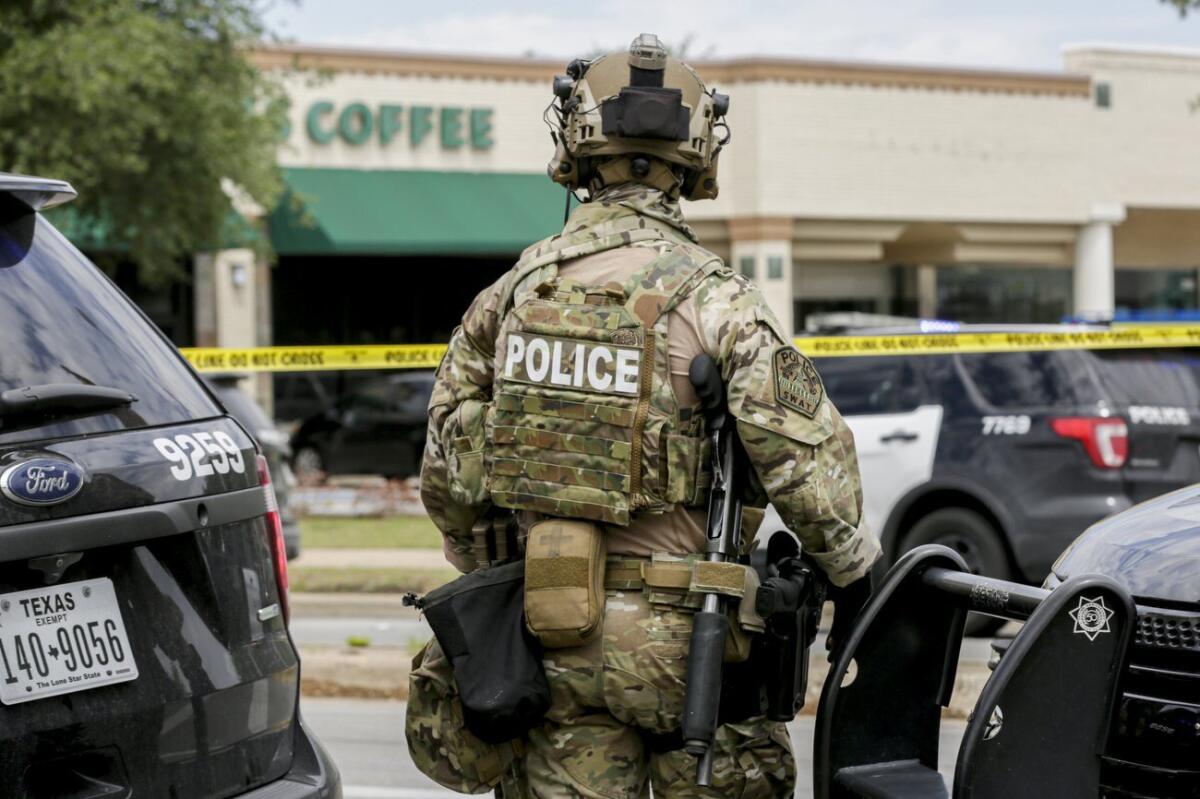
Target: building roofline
x,y
728,71
1113,48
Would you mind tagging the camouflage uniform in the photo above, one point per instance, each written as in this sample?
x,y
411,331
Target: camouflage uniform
x,y
614,695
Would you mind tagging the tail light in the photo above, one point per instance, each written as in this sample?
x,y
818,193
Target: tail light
x,y
1105,439
275,536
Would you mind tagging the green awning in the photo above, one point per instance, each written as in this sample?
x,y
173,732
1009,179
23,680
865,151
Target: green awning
x,y
351,211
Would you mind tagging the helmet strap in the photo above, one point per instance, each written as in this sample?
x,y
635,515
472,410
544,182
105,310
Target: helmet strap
x,y
622,169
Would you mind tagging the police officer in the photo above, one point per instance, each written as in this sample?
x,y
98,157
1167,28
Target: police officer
x,y
564,395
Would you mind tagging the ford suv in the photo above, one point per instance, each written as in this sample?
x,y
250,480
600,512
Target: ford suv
x,y
144,648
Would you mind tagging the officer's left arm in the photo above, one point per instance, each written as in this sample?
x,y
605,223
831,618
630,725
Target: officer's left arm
x,y
462,388
802,450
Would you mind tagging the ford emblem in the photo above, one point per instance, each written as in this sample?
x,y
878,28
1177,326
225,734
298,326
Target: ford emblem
x,y
42,481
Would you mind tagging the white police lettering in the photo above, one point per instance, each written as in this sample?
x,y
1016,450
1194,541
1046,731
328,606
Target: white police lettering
x,y
537,359
557,376
594,378
1156,414
627,371
569,363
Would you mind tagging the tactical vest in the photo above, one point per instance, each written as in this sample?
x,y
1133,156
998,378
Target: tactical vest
x,y
584,422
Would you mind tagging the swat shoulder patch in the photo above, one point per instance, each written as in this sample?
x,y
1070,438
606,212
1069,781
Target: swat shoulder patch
x,y
797,384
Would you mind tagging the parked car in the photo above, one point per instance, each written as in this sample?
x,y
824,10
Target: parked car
x,y
271,440
1007,456
377,429
144,648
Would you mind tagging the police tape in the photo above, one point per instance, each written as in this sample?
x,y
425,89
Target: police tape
x,y
315,359
427,356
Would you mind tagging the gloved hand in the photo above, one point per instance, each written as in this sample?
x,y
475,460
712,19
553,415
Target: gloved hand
x,y
848,602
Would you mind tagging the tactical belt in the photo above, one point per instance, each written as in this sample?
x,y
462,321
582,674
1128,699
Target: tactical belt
x,y
633,574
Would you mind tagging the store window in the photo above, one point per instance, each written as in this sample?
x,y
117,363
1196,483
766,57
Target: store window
x,y
1003,294
822,288
1155,290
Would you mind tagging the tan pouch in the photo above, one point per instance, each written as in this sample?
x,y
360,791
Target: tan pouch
x,y
564,582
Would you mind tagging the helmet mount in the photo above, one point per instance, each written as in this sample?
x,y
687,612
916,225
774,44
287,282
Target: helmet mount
x,y
646,117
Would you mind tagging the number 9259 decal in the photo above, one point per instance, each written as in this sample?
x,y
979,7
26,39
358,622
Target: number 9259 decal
x,y
201,454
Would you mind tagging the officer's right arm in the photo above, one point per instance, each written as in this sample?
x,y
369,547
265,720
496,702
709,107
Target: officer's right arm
x,y
462,384
802,450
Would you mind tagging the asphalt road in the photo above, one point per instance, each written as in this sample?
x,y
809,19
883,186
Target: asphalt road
x,y
366,739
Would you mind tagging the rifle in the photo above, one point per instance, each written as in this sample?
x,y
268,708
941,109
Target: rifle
x,y
706,655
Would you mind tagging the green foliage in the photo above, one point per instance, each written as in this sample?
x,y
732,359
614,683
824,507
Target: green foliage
x,y
146,107
1183,6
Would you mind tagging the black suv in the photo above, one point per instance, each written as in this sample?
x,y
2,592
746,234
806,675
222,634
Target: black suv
x,y
144,648
1154,551
1008,456
376,428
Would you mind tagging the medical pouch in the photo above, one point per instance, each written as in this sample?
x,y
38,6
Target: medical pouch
x,y
564,582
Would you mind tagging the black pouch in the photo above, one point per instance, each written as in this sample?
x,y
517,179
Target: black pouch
x,y
479,621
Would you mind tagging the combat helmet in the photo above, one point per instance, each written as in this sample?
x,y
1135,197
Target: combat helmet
x,y
641,115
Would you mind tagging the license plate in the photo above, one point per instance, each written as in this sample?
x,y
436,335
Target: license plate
x,y
61,639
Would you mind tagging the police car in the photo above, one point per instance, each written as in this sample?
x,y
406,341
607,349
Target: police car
x,y
144,648
1006,457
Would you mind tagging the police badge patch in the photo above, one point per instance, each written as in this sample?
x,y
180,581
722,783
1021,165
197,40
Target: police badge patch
x,y
797,384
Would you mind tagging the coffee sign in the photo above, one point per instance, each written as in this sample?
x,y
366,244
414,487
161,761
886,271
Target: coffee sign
x,y
357,123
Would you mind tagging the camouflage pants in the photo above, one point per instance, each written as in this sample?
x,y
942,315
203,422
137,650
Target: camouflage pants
x,y
608,695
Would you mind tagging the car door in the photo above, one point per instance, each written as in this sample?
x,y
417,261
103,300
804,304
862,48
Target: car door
x,y
895,428
358,443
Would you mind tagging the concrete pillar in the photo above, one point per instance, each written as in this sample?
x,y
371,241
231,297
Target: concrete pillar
x,y
927,291
769,264
1094,268
204,301
229,306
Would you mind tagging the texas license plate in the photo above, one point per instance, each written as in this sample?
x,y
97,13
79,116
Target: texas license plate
x,y
61,639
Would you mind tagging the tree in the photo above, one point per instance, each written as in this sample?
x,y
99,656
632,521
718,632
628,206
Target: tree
x,y
149,108
1183,5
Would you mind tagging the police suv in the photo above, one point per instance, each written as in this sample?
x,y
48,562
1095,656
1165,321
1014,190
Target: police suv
x,y
144,648
1006,457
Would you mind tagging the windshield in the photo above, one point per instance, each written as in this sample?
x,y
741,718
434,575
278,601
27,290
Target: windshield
x,y
63,321
1167,377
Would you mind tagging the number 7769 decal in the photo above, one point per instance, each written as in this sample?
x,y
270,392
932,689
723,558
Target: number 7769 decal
x,y
200,454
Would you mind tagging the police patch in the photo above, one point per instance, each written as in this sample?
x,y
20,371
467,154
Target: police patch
x,y
797,384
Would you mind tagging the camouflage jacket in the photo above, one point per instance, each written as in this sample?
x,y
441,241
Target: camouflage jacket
x,y
802,451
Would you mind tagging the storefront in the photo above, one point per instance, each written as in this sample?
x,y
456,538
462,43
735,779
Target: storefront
x,y
414,181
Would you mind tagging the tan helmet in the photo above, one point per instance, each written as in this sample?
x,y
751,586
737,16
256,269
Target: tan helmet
x,y
641,115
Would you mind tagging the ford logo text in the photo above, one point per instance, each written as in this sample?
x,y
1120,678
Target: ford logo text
x,y
42,481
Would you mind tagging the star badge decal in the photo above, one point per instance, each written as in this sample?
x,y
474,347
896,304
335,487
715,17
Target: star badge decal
x,y
1091,617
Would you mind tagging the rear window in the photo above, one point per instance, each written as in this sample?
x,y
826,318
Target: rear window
x,y
63,321
1030,380
1153,377
241,406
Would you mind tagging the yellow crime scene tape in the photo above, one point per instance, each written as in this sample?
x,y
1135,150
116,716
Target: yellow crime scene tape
x,y
427,356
